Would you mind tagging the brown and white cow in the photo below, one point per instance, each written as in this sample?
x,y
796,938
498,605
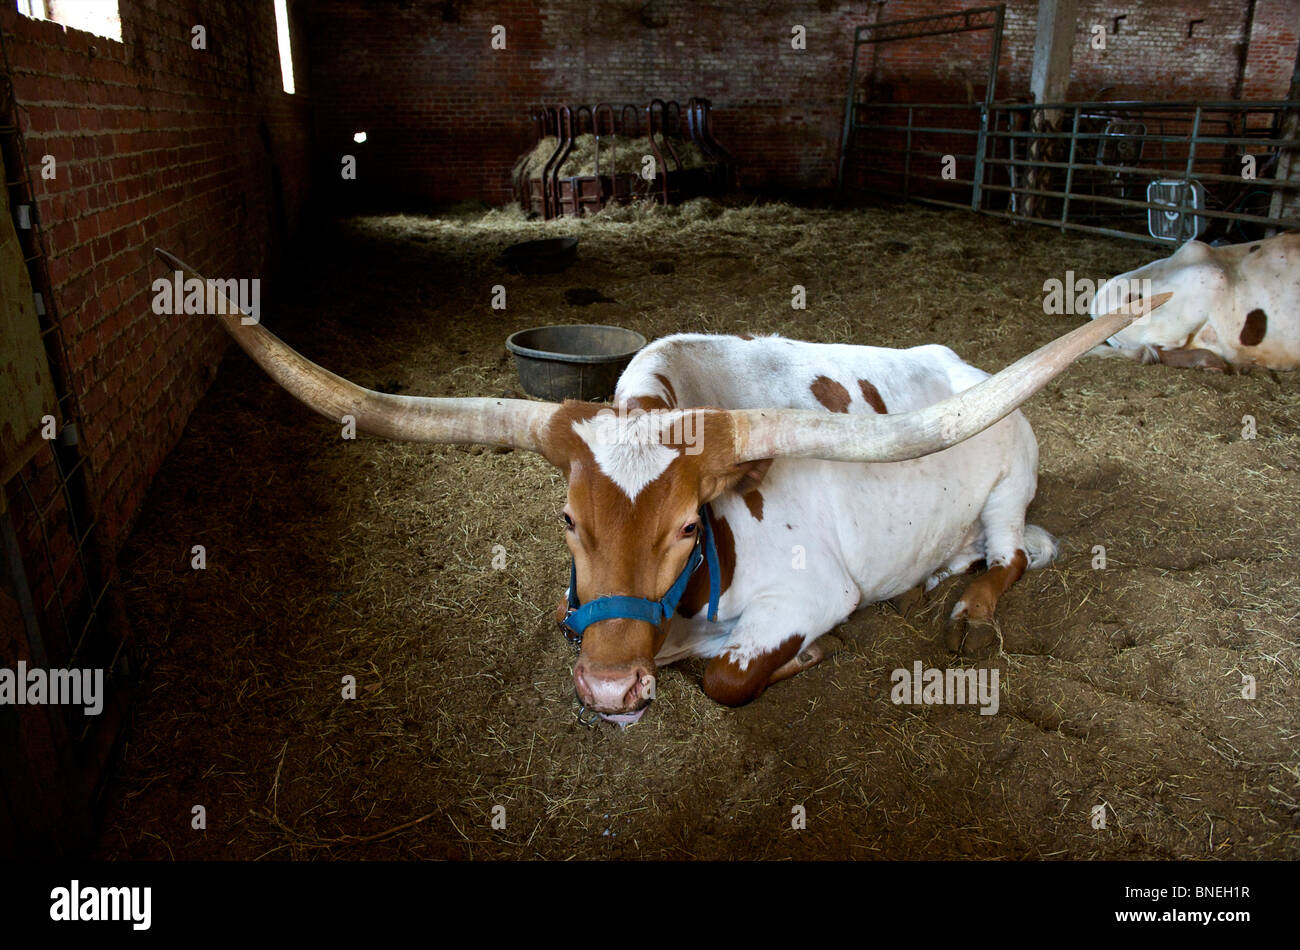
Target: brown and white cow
x,y
1236,306
831,476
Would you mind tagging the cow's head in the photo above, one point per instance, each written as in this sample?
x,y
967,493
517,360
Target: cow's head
x,y
638,475
632,520
1191,275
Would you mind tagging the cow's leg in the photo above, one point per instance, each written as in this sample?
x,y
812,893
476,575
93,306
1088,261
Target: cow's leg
x,y
970,553
910,601
759,651
734,677
820,649
1186,358
971,626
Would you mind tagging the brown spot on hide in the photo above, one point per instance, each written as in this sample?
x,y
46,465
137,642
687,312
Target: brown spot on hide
x,y
830,394
872,395
1253,330
668,388
648,403
754,502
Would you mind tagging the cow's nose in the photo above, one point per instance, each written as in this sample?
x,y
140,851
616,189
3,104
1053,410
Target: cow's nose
x,y
614,689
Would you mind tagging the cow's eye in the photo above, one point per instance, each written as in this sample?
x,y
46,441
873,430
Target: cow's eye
x,y
689,529
568,520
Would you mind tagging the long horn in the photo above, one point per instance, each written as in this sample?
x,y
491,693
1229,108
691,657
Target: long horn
x,y
514,422
803,433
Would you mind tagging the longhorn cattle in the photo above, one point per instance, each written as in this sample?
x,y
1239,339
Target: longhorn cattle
x,y
1235,307
820,478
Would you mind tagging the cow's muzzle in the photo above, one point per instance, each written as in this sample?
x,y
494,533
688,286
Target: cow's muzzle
x,y
618,693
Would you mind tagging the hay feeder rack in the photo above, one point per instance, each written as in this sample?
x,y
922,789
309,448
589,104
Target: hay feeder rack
x,y
688,162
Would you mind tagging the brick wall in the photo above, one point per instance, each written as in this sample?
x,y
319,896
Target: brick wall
x,y
446,115
155,144
1150,55
1272,59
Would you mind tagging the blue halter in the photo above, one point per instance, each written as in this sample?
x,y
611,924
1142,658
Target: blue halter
x,y
580,617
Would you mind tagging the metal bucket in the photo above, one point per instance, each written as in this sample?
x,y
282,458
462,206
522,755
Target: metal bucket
x,y
575,361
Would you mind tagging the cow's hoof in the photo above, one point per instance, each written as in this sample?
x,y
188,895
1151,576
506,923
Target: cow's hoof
x,y
910,601
823,648
969,636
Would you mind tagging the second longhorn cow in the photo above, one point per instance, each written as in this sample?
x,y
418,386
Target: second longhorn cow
x,y
821,478
1235,307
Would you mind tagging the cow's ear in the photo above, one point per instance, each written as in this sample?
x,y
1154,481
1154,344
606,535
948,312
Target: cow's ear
x,y
558,439
719,470
556,452
741,478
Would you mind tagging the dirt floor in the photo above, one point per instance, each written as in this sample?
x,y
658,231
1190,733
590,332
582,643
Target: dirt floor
x,y
1121,687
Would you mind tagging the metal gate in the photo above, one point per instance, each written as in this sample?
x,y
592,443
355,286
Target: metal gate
x,y
1158,172
888,147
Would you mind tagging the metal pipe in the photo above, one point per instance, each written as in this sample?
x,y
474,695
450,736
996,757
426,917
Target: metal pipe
x,y
1069,171
976,198
907,156
1191,167
1284,184
847,134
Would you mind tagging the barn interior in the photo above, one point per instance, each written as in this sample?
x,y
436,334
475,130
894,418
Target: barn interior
x,y
346,648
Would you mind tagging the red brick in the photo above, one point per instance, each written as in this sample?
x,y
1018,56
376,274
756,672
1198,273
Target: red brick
x,y
157,136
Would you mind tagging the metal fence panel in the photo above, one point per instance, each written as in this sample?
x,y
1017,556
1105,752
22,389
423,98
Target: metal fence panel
x,y
1158,172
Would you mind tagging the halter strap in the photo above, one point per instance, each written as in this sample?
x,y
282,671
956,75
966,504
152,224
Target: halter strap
x,y
580,617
